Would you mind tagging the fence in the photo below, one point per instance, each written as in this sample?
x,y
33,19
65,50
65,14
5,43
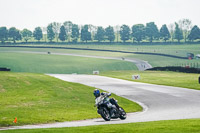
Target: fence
x,y
4,69
189,65
176,69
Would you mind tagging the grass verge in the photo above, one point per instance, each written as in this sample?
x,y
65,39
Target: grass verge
x,y
175,126
176,79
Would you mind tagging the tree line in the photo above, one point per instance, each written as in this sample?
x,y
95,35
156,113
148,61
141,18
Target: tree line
x,y
69,32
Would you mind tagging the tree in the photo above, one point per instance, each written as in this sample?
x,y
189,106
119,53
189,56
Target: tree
x,y
178,33
194,34
62,34
50,32
125,33
151,31
117,29
37,34
93,30
100,35
44,31
185,26
3,34
164,33
56,29
68,27
110,34
85,34
26,34
75,33
14,34
171,30
138,32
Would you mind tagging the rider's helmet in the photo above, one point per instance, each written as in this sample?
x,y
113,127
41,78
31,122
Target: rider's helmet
x,y
96,93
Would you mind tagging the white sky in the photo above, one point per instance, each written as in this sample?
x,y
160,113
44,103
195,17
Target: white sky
x,y
32,13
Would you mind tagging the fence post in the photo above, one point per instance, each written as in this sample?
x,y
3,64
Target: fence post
x,y
199,79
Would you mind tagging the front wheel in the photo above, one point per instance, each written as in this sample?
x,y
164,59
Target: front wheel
x,y
122,113
105,114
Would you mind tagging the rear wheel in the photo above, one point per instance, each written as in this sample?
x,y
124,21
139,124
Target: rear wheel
x,y
122,113
105,114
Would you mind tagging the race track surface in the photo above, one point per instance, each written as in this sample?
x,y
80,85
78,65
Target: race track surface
x,y
159,102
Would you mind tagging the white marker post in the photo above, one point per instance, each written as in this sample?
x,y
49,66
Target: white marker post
x,y
96,72
135,77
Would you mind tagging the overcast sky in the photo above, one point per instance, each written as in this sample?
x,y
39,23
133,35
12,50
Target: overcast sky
x,y
32,13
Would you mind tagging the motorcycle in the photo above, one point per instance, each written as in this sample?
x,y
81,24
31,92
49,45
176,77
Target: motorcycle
x,y
109,110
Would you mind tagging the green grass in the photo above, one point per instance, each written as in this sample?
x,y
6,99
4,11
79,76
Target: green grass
x,y
44,63
176,126
177,79
38,98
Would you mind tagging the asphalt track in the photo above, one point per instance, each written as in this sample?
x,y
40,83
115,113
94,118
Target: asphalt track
x,y
141,65
158,102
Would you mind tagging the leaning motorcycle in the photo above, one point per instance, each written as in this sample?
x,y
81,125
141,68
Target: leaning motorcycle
x,y
109,111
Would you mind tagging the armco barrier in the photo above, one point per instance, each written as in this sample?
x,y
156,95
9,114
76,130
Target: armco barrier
x,y
176,69
4,69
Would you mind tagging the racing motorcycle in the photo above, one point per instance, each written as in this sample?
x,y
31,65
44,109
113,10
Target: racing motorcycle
x,y
107,108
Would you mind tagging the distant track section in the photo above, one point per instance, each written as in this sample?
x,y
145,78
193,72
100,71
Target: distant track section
x,y
141,64
145,53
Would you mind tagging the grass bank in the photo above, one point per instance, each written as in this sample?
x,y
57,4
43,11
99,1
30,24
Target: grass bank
x,y
38,98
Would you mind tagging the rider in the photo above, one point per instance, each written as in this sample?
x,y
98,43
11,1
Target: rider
x,y
99,96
